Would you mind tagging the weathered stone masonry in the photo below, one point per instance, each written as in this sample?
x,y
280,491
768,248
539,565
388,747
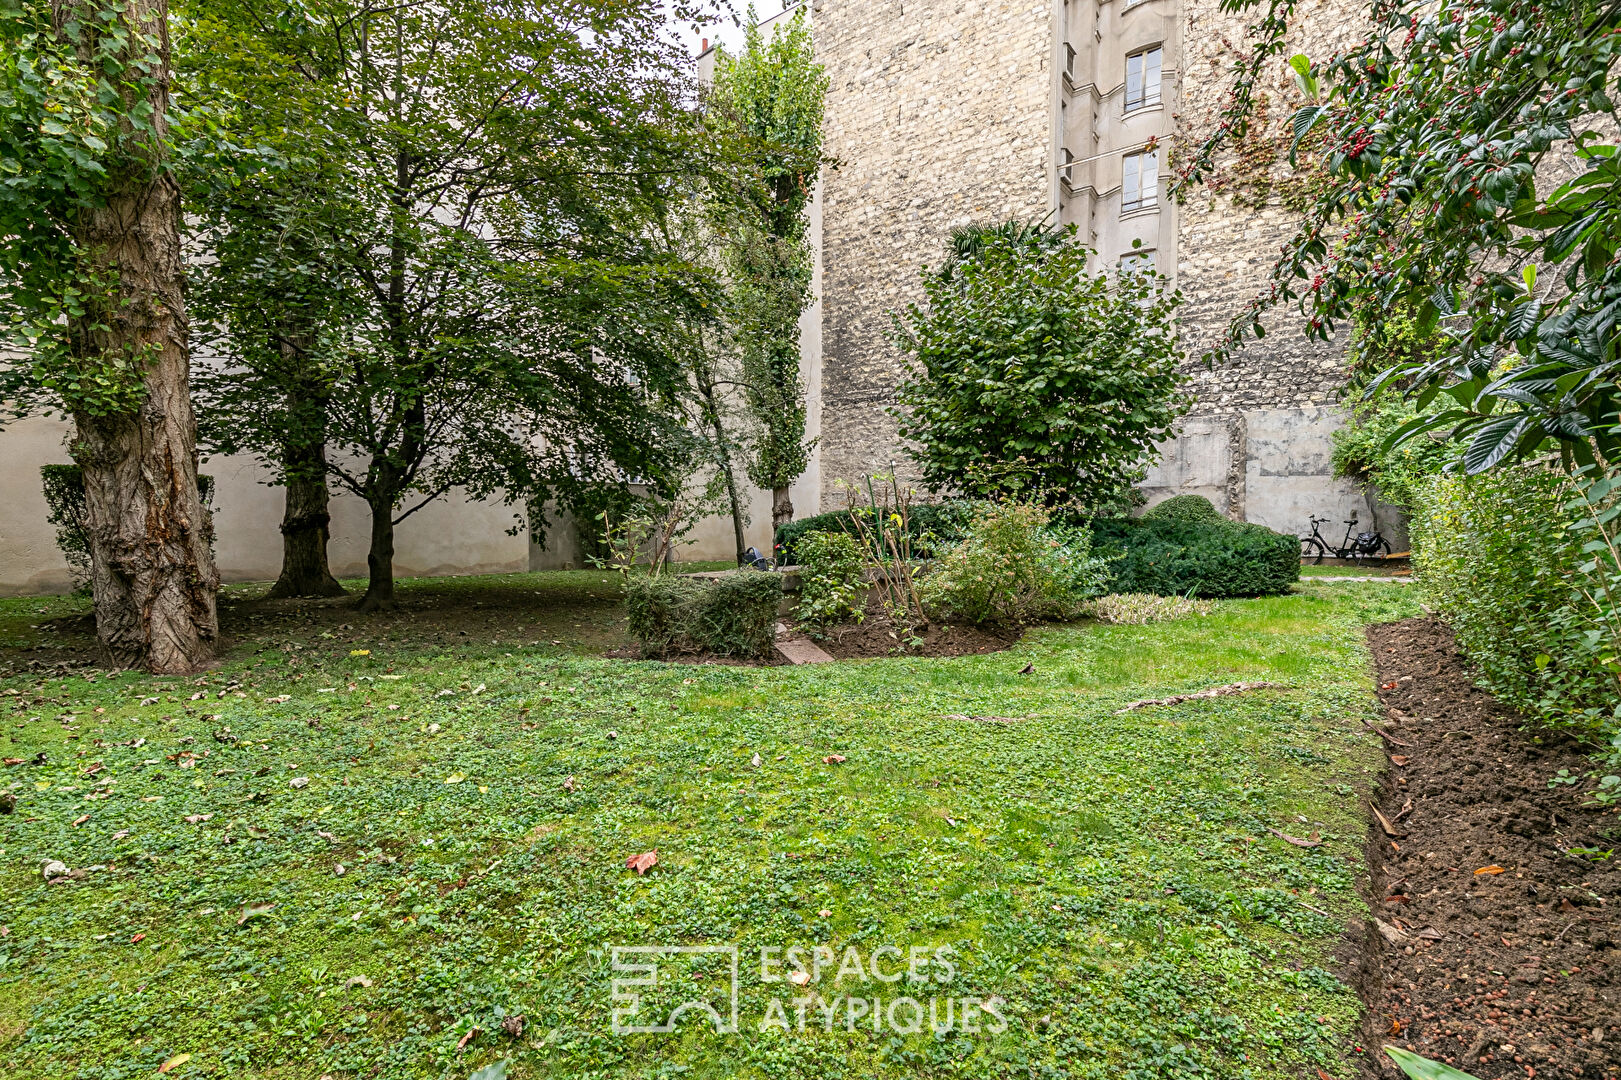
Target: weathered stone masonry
x,y
942,112
938,114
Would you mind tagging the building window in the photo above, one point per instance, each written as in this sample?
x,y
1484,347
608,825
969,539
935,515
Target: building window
x,y
1069,60
1139,181
1143,78
1141,261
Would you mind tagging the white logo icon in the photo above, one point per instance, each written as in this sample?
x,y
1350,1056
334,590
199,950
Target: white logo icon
x,y
641,964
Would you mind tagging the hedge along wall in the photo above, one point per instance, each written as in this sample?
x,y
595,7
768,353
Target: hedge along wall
x,y
1501,557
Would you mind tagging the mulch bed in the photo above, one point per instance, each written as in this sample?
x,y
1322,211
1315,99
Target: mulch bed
x,y
1502,974
877,636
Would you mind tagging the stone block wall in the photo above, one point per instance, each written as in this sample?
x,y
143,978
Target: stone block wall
x,y
939,113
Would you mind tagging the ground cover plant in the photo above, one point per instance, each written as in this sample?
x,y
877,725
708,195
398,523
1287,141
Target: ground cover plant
x,y
399,849
1171,554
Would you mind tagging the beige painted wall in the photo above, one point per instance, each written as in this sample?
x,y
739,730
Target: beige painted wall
x,y
452,536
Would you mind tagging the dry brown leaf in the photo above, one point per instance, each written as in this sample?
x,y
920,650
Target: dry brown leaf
x,y
833,759
1493,869
799,978
1384,822
465,1039
1429,933
81,819
1399,759
1295,840
644,862
569,784
174,1063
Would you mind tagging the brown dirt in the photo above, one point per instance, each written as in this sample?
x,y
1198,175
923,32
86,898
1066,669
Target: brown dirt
x,y
877,636
1525,979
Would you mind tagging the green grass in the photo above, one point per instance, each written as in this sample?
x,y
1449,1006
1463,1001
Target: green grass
x,y
1106,881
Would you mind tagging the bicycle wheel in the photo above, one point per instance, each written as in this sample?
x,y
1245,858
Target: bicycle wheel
x,y
1312,550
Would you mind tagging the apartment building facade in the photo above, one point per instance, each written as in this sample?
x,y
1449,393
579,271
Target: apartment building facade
x,y
942,112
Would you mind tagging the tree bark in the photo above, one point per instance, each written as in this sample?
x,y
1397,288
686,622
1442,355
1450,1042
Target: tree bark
x,y
711,410
306,514
152,573
304,529
380,560
782,510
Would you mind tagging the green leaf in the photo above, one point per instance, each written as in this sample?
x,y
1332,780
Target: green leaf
x,y
1301,66
1422,1068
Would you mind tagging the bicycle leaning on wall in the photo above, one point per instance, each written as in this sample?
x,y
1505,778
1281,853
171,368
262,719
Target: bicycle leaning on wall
x,y
1365,545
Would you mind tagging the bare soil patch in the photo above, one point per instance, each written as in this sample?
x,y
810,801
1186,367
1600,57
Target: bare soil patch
x,y
877,636
1500,949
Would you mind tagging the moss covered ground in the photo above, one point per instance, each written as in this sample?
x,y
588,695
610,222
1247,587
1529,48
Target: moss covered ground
x,y
365,848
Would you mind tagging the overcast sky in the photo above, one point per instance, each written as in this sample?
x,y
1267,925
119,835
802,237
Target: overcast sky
x,y
724,32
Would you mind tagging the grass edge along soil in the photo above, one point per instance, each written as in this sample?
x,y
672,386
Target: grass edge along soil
x,y
1496,939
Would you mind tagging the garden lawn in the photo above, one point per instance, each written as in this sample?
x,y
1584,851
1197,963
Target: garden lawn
x,y
1108,883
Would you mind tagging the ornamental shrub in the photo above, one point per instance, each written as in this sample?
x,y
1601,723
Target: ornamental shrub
x,y
1023,352
733,615
934,528
1185,508
1218,559
1519,566
832,576
1014,565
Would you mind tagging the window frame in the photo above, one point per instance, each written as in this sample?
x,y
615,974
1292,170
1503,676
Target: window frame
x,y
1147,193
1149,90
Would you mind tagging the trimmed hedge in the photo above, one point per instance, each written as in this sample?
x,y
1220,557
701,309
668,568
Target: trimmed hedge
x,y
1211,559
1193,508
933,526
734,615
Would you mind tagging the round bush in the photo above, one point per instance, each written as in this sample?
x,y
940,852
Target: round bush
x,y
1207,559
1185,508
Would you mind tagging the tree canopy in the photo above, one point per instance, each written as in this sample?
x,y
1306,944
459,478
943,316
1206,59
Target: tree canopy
x,y
1468,176
1022,356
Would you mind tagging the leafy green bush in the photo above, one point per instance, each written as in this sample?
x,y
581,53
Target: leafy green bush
x,y
832,577
1012,566
1192,508
934,527
1525,572
1400,473
1025,351
1210,559
63,486
733,615
1137,609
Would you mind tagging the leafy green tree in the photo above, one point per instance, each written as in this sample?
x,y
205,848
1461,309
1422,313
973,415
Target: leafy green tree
x,y
772,95
1022,357
489,308
91,297
1431,135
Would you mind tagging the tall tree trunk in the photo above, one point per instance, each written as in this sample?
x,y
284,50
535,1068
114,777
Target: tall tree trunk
x,y
782,509
380,559
304,527
306,515
152,573
723,447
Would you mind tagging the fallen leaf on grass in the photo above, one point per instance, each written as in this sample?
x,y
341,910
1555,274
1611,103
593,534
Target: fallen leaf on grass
x,y
642,863
252,911
80,820
1493,869
1028,669
1295,840
137,939
833,759
197,819
120,834
356,980
799,978
569,784
756,761
455,778
465,1039
174,1063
